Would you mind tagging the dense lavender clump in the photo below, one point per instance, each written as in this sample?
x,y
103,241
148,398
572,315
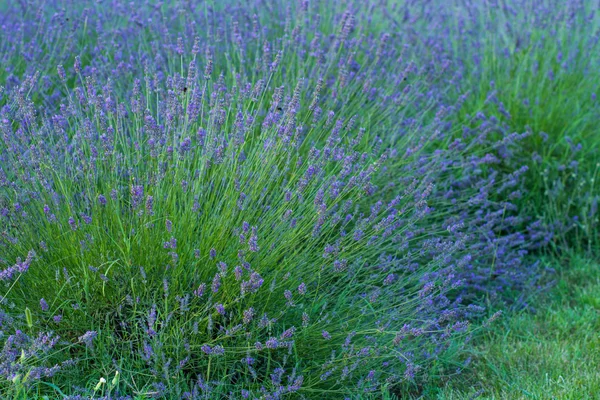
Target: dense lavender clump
x,y
530,65
247,201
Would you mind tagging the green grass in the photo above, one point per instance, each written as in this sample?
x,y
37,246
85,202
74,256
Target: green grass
x,y
551,353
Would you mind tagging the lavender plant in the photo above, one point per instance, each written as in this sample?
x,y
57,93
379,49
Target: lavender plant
x,y
532,66
214,238
223,253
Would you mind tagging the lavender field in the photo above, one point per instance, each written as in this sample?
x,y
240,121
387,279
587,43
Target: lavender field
x,y
306,199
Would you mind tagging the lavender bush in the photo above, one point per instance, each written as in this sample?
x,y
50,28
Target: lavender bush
x,y
249,201
531,65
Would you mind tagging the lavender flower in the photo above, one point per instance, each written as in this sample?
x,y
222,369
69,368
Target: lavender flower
x,y
19,267
253,241
216,283
302,288
272,343
88,338
43,304
77,65
150,205
137,194
61,73
248,315
199,292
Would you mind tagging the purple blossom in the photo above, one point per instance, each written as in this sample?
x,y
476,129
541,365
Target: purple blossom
x,y
213,350
305,319
43,304
222,268
185,146
253,241
77,65
272,343
238,271
61,72
241,200
171,244
389,279
137,194
150,205
216,283
19,267
288,333
248,315
252,285
88,338
302,288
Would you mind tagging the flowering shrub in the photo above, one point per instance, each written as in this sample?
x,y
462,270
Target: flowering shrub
x,y
531,65
252,249
247,201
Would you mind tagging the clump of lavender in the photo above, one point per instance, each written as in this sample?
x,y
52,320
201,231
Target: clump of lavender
x,y
550,48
